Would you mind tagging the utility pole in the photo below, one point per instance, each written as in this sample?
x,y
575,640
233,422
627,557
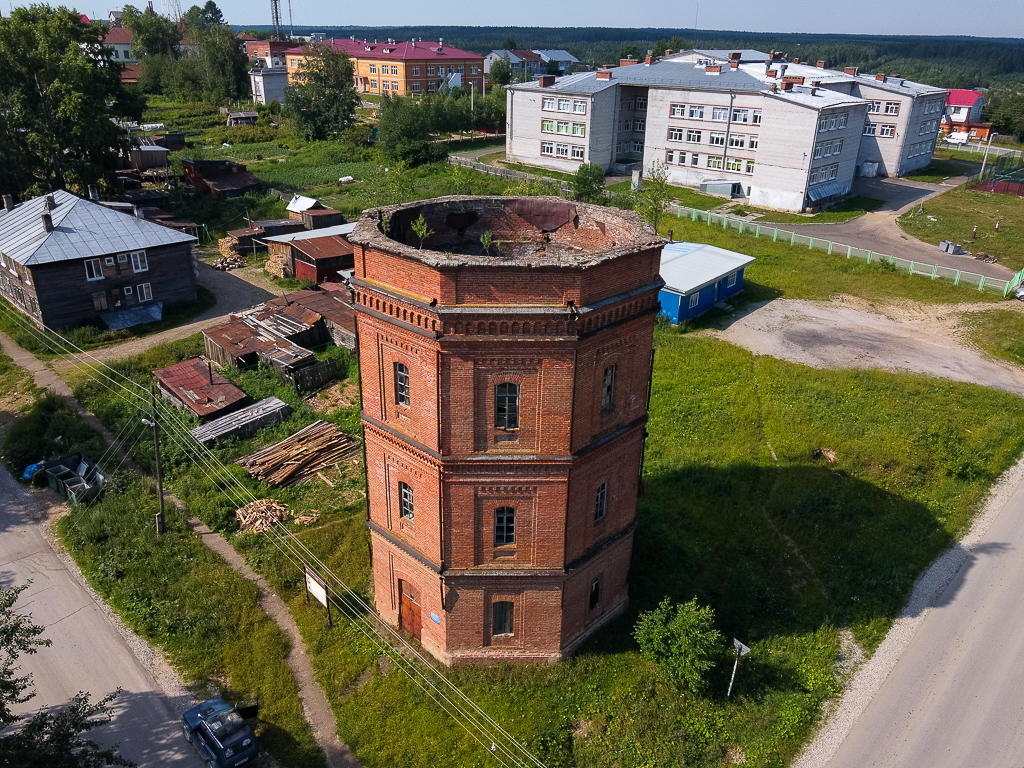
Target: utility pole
x,y
160,526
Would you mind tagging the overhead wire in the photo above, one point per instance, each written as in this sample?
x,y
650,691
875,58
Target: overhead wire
x,y
358,610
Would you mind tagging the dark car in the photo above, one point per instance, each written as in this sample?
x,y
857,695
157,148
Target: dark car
x,y
220,735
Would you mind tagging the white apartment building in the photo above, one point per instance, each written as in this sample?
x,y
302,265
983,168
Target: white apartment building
x,y
786,135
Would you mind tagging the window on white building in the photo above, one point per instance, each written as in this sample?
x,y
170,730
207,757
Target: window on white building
x,y
752,142
677,110
579,107
717,139
737,140
692,136
564,105
741,115
548,103
734,164
869,129
547,126
714,161
675,134
577,152
720,113
892,107
696,111
547,148
561,150
694,158
750,166
579,129
887,130
874,107
756,117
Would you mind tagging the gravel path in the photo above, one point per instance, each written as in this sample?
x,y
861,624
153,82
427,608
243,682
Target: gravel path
x,y
834,335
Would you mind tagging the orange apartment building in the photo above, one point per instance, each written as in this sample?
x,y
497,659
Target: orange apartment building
x,y
400,68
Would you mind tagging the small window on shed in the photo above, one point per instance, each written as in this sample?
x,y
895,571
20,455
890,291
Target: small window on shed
x,y
694,300
731,281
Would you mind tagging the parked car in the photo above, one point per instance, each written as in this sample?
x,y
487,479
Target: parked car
x,y
220,735
1019,293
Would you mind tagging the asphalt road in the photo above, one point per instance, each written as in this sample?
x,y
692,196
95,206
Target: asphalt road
x,y
954,697
88,653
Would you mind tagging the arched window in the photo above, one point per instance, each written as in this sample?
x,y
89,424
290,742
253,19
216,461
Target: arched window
x,y
501,617
506,406
402,385
405,505
504,526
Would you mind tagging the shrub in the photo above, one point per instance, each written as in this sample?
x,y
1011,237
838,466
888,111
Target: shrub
x,y
681,639
588,181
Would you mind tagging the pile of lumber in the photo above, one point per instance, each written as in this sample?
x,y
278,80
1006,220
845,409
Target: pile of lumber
x,y
261,515
299,457
229,262
277,265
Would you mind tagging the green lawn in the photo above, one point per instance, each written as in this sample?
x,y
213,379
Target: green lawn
x,y
498,159
939,170
89,337
682,195
800,273
183,597
958,211
17,389
848,209
786,552
999,332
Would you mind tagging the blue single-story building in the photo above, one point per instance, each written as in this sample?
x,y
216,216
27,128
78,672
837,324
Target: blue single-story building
x,y
697,276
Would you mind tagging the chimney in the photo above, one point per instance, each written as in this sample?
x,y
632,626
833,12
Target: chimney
x,y
47,223
627,62
796,60
546,81
794,79
8,202
787,85
137,212
820,65
814,91
771,73
94,193
815,83
647,60
713,69
603,75
880,77
782,69
735,56
668,52
50,202
734,64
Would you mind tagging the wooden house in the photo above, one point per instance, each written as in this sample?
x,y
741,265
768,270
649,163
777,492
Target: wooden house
x,y
65,261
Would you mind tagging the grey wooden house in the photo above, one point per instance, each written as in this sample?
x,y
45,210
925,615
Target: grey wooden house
x,y
65,261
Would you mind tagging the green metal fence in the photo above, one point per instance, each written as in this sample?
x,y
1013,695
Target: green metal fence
x,y
779,235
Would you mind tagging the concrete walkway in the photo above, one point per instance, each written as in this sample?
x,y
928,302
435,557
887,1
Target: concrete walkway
x,y
315,706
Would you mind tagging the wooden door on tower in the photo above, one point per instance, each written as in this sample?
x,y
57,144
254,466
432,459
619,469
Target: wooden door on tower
x,y
409,609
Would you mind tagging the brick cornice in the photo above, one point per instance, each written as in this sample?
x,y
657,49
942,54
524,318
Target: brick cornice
x,y
396,542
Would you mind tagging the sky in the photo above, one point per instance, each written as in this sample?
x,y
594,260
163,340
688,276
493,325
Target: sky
x,y
987,18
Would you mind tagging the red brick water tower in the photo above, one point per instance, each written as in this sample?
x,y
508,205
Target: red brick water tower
x,y
505,395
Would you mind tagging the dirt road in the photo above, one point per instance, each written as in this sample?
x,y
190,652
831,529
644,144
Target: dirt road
x,y
834,335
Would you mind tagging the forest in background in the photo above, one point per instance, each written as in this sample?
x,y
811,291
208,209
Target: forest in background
x,y
951,62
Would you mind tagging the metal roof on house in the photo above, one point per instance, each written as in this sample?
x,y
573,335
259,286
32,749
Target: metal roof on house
x,y
118,36
525,55
198,387
961,97
330,247
555,54
688,267
337,229
82,229
666,73
300,203
398,50
746,54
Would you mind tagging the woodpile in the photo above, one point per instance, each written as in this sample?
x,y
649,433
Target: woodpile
x,y
229,262
263,514
302,455
228,246
278,264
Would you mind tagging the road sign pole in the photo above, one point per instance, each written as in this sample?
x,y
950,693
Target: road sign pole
x,y
741,651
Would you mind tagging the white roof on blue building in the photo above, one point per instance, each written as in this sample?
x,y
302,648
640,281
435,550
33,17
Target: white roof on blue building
x,y
688,267
82,229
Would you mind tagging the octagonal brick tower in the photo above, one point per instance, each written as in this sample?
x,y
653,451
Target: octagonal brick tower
x,y
505,395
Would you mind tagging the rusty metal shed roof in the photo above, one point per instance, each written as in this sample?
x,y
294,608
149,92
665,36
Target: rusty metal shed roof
x,y
198,387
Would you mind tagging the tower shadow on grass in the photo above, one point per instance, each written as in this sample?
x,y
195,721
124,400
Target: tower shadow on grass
x,y
781,551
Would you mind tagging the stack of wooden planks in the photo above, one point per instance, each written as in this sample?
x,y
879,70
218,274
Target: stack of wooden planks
x,y
300,456
261,515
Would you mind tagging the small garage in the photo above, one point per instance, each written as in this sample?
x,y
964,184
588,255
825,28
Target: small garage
x,y
697,276
318,259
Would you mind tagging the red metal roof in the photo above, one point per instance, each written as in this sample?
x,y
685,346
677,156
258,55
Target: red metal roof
x,y
198,387
400,50
245,38
330,247
961,97
528,55
118,35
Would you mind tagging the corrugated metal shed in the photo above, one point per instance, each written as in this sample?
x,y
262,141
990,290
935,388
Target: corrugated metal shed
x,y
81,229
330,247
194,384
244,422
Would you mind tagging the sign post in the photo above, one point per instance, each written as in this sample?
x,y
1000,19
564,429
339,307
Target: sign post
x,y
318,588
741,651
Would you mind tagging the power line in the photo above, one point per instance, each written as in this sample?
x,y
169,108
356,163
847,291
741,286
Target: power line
x,y
467,713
